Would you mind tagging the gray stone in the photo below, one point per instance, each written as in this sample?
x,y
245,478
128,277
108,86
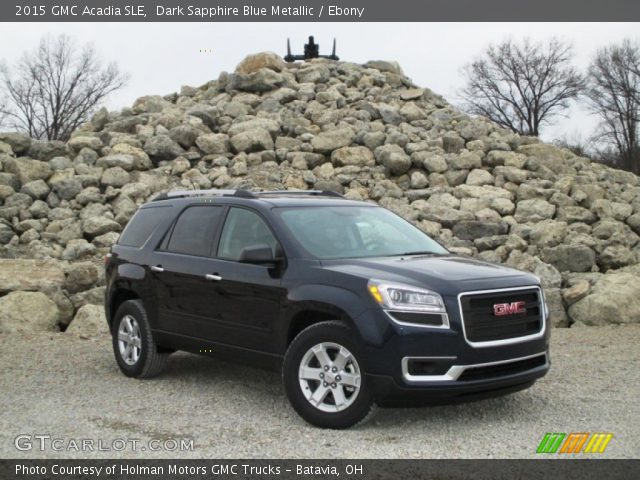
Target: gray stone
x,y
570,258
464,161
615,298
80,276
358,156
45,150
253,63
259,81
123,161
28,312
254,140
330,140
394,158
431,161
317,73
38,189
534,210
213,143
479,177
77,249
19,142
616,256
162,147
115,177
96,226
88,322
576,292
473,229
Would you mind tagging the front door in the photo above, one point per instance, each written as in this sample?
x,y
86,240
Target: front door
x,y
249,297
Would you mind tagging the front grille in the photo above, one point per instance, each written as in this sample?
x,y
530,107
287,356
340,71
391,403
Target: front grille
x,y
502,369
481,324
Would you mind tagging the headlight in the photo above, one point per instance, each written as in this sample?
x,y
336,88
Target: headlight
x,y
405,297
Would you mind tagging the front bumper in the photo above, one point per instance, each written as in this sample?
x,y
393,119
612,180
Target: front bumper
x,y
456,370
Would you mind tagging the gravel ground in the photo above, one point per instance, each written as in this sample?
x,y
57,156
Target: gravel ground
x,y
70,388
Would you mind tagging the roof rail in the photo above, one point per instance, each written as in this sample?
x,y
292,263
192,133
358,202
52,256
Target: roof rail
x,y
200,193
318,193
241,193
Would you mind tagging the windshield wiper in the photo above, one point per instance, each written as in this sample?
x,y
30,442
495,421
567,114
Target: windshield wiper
x,y
408,254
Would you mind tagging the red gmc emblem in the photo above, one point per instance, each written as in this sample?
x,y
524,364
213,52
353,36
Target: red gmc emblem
x,y
501,309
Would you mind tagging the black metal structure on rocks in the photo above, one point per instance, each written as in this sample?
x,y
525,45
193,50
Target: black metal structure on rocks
x,y
311,50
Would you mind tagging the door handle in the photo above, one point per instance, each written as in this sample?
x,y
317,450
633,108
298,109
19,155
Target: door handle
x,y
213,277
157,268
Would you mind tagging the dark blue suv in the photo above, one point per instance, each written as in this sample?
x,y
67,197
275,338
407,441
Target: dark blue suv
x,y
354,304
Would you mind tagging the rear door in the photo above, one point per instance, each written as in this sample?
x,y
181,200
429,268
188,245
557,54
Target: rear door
x,y
186,300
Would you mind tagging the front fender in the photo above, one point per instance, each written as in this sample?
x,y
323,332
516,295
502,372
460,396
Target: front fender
x,y
340,303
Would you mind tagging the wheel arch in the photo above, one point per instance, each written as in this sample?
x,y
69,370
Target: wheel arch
x,y
311,304
118,296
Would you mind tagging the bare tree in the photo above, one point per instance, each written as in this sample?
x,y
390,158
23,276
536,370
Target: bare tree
x,y
3,113
53,90
578,144
614,95
522,86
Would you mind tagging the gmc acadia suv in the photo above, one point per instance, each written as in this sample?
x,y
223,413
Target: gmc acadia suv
x,y
352,302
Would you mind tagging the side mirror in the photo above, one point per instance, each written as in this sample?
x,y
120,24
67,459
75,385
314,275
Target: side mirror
x,y
260,254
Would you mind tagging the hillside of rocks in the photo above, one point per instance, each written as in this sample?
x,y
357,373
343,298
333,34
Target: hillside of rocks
x,y
365,131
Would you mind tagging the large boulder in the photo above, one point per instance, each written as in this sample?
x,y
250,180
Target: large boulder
x,y
28,312
615,298
162,147
257,61
570,258
330,140
394,158
27,170
19,142
81,276
29,274
89,321
534,210
254,140
262,80
358,156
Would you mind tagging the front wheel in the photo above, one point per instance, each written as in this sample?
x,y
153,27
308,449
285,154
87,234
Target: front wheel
x,y
324,376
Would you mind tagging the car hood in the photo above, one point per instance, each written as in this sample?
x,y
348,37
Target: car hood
x,y
446,274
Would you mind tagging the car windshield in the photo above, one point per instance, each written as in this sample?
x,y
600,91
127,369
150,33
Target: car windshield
x,y
356,232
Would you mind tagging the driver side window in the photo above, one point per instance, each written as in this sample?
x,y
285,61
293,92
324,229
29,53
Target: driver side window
x,y
244,228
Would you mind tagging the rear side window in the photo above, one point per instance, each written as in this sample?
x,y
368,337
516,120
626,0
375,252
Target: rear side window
x,y
141,226
195,231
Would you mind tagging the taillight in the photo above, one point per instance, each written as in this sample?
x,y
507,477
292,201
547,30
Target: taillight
x,y
106,258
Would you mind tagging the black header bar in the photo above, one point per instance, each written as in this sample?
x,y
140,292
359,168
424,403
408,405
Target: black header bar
x,y
320,11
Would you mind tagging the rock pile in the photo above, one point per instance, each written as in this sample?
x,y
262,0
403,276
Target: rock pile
x,y
363,130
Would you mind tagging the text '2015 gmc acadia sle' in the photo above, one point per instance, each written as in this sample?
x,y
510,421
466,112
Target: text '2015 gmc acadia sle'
x,y
352,302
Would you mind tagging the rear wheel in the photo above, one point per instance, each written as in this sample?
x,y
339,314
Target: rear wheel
x,y
136,352
324,376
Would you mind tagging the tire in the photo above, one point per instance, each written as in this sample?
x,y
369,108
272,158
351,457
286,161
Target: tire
x,y
322,396
143,359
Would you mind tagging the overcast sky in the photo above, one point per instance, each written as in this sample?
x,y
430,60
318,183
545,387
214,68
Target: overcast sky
x,y
160,57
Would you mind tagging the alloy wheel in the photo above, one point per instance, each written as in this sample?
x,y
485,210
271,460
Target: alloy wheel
x,y
129,342
330,377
